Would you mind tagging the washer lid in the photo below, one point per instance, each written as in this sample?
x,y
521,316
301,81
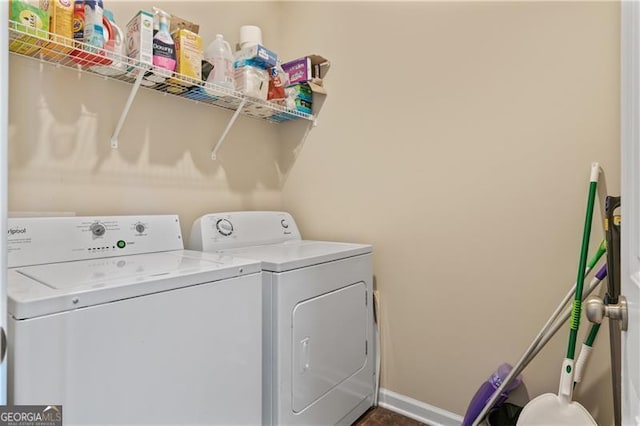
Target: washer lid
x,y
298,254
46,289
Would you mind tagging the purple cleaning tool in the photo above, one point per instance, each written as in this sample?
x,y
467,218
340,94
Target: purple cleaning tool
x,y
486,390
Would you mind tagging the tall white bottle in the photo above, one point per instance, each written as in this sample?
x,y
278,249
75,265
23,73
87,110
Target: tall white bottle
x,y
93,30
219,54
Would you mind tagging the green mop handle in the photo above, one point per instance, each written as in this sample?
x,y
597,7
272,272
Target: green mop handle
x,y
577,301
585,354
587,346
602,249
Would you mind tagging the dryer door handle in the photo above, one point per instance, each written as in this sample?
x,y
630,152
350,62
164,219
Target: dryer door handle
x,y
305,350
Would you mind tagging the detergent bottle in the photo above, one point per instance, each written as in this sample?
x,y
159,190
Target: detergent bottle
x,y
114,48
77,24
164,50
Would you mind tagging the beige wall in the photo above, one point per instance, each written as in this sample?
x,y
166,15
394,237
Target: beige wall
x,y
457,139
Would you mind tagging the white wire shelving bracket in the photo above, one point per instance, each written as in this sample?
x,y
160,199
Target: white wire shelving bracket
x,y
214,151
125,111
63,52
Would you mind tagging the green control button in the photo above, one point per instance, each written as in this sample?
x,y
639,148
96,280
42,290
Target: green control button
x,y
121,244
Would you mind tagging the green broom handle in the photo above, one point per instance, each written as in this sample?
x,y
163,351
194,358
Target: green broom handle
x,y
592,334
602,249
577,301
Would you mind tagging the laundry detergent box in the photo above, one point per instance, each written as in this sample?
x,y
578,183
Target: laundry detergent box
x,y
309,68
61,27
139,41
30,20
188,53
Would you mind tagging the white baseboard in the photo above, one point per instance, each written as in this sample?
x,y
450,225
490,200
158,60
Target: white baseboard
x,y
417,410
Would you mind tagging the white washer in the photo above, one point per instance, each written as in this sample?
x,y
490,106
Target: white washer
x,y
110,318
318,316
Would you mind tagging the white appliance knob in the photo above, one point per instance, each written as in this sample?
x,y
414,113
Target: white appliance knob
x,y
284,223
98,229
224,227
140,228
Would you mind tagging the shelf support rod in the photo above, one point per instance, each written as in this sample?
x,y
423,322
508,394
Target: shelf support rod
x,y
226,130
125,111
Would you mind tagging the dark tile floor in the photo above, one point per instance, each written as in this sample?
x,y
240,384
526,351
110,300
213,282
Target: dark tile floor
x,y
382,417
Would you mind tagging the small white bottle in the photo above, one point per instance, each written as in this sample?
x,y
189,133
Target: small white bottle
x,y
219,54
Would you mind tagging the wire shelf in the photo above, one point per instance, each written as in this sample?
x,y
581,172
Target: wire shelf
x,y
61,51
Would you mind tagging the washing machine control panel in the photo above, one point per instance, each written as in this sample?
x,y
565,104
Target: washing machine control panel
x,y
219,231
33,241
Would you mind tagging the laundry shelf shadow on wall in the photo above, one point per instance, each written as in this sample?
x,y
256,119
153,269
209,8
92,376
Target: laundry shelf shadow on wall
x,y
67,130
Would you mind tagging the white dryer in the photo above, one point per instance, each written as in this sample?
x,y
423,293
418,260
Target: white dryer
x,y
110,318
318,316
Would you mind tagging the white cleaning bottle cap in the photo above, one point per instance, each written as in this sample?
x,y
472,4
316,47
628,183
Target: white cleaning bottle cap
x,y
250,35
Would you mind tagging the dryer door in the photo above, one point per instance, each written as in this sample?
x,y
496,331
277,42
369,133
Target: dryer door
x,y
329,342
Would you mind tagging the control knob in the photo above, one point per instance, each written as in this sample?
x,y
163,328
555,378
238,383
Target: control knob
x,y
224,227
98,229
140,228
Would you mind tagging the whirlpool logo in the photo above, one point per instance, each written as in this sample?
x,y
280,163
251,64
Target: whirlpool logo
x,y
16,230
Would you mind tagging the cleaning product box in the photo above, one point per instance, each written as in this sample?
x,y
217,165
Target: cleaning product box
x,y
299,97
256,55
308,73
60,26
302,91
178,23
310,68
140,41
188,53
303,106
31,20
